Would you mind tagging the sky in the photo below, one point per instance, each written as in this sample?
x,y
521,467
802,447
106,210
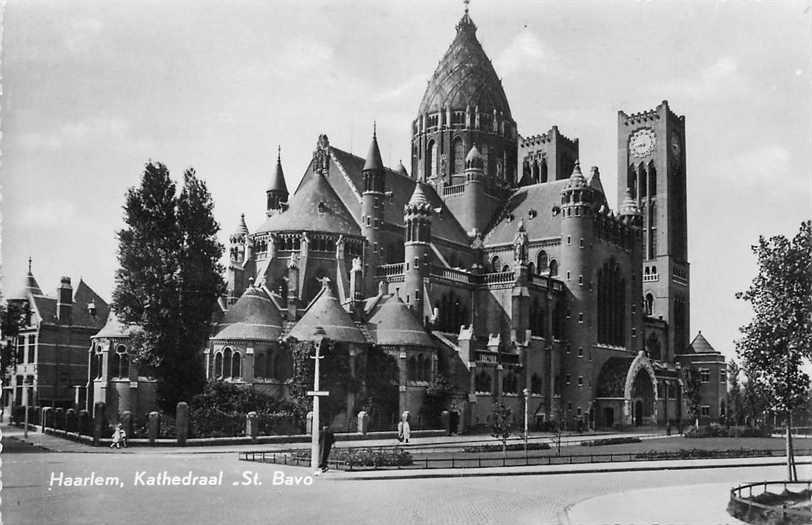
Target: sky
x,y
91,90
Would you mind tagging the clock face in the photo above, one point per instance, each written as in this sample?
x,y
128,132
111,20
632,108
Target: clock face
x,y
642,143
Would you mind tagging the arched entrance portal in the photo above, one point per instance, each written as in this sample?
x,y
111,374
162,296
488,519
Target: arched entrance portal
x,y
642,397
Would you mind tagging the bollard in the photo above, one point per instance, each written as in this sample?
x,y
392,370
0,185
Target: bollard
x,y
84,423
59,418
309,423
445,421
126,420
182,422
153,426
70,420
47,417
251,425
363,422
99,423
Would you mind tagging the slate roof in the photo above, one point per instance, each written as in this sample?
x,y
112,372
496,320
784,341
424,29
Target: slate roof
x,y
349,169
305,213
465,76
394,324
538,197
112,328
278,177
253,317
326,312
700,345
82,296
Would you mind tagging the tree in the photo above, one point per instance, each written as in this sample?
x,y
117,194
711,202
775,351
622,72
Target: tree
x,y
13,317
169,278
693,395
735,405
778,341
501,428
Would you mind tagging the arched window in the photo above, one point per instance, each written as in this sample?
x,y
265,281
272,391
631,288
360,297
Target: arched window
x,y
631,180
458,150
652,179
227,362
543,171
541,261
509,383
535,176
431,159
259,365
611,304
641,170
218,364
122,362
495,263
235,365
553,268
411,368
482,382
506,268
531,269
535,384
649,304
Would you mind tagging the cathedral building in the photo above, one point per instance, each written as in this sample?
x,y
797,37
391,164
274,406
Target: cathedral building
x,y
495,262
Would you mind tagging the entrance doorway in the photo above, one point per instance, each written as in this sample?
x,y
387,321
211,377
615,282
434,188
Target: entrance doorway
x,y
638,413
609,416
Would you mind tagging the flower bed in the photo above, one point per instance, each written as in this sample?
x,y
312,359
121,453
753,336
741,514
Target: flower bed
x,y
610,441
364,457
513,446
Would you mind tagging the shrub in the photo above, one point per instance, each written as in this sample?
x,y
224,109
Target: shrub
x,y
610,441
716,430
698,453
513,446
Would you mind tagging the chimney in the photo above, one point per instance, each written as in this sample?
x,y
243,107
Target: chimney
x,y
64,304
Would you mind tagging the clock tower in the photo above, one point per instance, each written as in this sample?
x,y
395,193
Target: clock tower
x,y
651,163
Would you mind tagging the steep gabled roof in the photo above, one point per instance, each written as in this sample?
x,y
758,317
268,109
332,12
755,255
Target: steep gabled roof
x,y
254,317
314,207
113,328
700,345
541,225
326,312
394,324
83,296
349,183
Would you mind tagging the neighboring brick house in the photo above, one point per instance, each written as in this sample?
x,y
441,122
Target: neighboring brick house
x,y
52,346
712,369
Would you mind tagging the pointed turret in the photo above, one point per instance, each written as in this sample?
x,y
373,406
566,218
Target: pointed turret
x,y
277,191
373,203
629,211
373,160
28,286
401,169
474,159
577,179
417,217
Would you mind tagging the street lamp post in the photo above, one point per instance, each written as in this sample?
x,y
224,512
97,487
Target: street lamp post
x,y
318,343
25,404
526,394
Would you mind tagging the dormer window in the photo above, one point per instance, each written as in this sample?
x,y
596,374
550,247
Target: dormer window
x,y
91,308
322,207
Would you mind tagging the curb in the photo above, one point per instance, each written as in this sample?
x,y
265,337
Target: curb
x,y
477,473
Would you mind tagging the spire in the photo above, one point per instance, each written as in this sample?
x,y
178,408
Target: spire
x,y
29,284
278,178
577,179
401,170
242,228
474,159
465,22
629,205
373,161
418,196
595,180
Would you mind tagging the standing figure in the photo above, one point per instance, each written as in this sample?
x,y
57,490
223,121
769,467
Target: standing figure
x,y
403,428
326,440
119,437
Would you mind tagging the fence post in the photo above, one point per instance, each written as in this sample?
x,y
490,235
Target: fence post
x,y
251,425
182,422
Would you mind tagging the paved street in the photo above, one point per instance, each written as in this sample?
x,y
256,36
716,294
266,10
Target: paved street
x,y
28,499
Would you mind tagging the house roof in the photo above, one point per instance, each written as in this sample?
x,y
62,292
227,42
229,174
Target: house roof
x,y
326,312
540,225
28,285
278,177
254,317
83,296
465,76
395,324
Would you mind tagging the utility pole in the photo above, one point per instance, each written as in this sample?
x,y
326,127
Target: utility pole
x,y
318,343
526,393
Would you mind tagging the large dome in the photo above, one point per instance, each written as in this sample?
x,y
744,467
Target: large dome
x,y
465,76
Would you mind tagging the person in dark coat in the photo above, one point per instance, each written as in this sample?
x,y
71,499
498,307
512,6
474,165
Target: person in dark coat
x,y
326,440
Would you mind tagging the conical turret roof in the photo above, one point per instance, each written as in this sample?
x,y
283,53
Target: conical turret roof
x,y
395,324
278,178
465,77
418,197
254,317
327,313
242,228
595,180
373,161
113,328
401,169
629,205
577,179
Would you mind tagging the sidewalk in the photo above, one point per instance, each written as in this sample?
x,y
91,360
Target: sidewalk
x,y
422,444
